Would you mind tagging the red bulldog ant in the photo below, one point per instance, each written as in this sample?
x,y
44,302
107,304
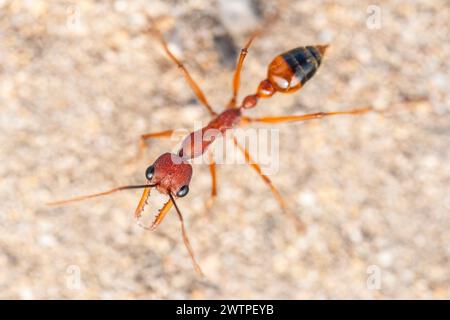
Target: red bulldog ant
x,y
171,173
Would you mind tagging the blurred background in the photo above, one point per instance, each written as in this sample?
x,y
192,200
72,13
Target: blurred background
x,y
79,83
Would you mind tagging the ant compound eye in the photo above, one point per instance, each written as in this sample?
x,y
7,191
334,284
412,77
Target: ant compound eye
x,y
149,172
183,191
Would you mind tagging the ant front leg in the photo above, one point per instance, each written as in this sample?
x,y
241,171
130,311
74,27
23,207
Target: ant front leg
x,y
143,138
249,160
212,171
147,136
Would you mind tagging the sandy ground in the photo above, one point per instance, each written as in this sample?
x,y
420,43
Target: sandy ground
x,y
79,83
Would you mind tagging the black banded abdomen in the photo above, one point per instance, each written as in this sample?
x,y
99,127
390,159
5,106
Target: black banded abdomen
x,y
291,70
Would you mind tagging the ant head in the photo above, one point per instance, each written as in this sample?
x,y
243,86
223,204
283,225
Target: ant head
x,y
170,174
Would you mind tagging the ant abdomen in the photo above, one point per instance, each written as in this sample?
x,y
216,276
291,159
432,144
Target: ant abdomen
x,y
289,71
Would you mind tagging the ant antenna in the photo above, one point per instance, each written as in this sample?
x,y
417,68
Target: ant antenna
x,y
104,193
185,237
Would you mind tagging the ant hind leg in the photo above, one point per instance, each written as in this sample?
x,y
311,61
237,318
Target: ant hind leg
x,y
244,51
310,116
237,73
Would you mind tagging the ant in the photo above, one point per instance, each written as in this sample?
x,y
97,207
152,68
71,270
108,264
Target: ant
x,y
171,173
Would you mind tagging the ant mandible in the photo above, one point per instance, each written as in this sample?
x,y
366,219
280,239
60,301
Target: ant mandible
x,y
171,173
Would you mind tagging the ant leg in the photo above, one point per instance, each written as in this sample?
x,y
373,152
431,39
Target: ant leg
x,y
147,136
237,73
353,112
298,223
194,86
143,138
309,116
212,171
